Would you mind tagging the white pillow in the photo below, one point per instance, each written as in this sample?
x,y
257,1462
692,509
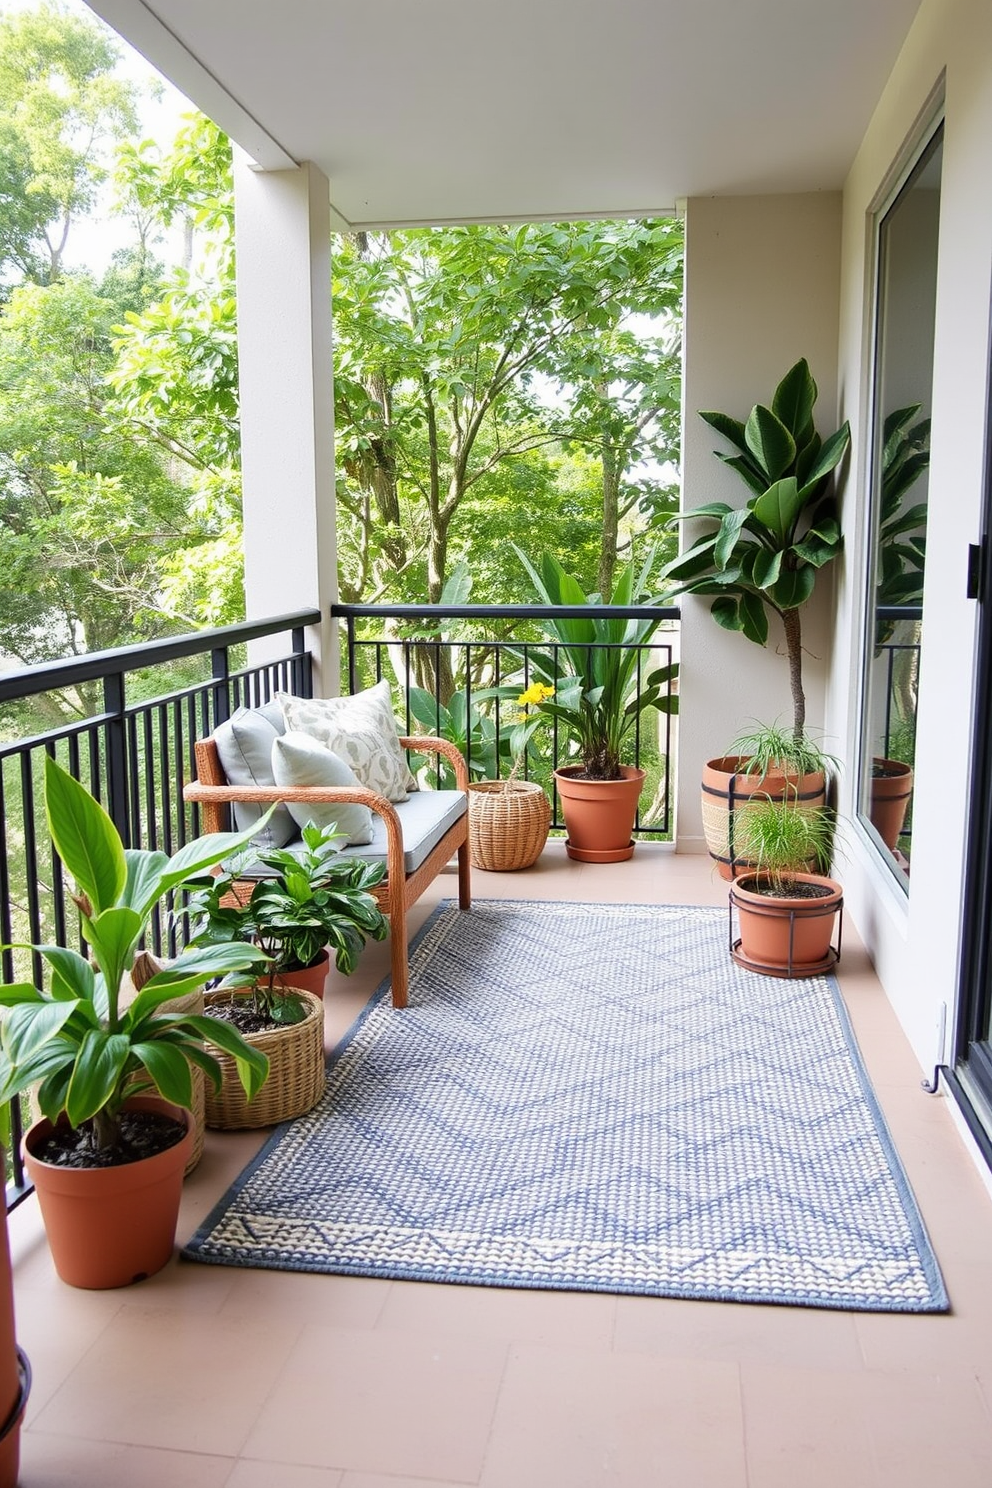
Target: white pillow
x,y
297,759
244,748
360,729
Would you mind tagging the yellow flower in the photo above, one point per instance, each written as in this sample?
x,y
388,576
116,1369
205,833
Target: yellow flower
x,y
535,695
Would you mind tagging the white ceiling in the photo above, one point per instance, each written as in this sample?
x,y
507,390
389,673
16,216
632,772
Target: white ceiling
x,y
429,111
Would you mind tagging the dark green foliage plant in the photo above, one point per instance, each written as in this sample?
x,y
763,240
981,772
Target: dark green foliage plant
x,y
314,897
87,1053
765,555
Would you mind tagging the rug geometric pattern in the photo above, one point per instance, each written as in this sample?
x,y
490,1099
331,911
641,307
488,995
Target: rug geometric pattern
x,y
592,1097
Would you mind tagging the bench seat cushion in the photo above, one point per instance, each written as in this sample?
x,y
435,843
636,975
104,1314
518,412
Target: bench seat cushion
x,y
424,817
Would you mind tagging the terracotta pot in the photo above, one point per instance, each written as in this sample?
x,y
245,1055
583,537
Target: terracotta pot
x,y
311,978
599,814
108,1227
727,791
891,793
15,1374
10,1429
782,936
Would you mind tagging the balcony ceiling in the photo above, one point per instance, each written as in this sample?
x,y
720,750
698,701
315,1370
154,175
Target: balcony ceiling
x,y
430,111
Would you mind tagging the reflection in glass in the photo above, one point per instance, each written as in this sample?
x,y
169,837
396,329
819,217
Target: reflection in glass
x,y
905,304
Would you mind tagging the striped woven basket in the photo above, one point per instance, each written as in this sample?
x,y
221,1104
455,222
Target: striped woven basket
x,y
508,823
296,1071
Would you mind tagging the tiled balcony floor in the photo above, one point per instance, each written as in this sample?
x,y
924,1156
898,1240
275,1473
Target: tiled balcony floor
x,y
208,1376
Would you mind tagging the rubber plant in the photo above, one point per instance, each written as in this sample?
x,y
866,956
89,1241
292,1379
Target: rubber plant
x,y
85,1052
765,555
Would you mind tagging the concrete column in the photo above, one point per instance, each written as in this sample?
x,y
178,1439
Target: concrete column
x,y
286,379
762,285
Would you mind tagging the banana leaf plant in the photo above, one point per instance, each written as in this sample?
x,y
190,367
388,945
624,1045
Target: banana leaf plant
x,y
594,672
902,543
86,1052
463,724
764,556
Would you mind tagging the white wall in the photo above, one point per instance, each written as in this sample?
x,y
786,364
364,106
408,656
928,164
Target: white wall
x,y
761,291
915,941
286,383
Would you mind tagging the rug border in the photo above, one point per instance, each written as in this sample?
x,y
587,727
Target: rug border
x,y
940,1301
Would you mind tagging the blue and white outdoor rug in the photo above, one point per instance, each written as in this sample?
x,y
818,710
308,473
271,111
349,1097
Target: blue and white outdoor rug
x,y
592,1097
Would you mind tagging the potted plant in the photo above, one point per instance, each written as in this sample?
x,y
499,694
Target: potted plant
x,y
764,556
596,694
312,898
107,1178
786,911
765,761
509,820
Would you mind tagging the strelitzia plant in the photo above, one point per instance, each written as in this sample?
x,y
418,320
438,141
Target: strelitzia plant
x,y
85,1052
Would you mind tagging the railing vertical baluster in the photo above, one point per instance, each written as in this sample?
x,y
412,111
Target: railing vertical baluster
x,y
220,671
352,657
116,752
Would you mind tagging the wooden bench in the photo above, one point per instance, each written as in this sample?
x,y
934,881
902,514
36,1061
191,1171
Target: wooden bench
x,y
403,885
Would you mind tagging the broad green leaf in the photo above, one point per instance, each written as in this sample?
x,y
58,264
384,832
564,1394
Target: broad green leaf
x,y
169,1070
779,508
27,1027
794,588
726,541
794,399
765,569
830,455
202,852
770,442
753,478
113,935
253,1065
99,1065
85,838
191,970
754,619
726,612
13,993
72,974
730,428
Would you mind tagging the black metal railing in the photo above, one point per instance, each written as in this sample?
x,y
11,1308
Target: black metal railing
x,y
124,723
425,649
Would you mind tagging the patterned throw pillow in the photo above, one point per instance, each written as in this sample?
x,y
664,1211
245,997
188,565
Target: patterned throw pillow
x,y
361,730
298,759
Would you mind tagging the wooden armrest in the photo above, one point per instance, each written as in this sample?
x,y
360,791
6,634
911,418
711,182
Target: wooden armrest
x,y
450,751
358,795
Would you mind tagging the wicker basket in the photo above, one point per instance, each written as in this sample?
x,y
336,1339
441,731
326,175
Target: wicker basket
x,y
296,1072
508,822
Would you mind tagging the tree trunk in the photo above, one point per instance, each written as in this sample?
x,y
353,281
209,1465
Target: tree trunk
x,y
794,648
611,519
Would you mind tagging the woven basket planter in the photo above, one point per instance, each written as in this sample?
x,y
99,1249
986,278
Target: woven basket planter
x,y
508,822
296,1072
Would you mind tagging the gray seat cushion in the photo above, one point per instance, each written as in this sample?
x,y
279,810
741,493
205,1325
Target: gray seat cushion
x,y
424,818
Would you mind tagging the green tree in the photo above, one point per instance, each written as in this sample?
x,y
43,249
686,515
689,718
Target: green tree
x,y
62,108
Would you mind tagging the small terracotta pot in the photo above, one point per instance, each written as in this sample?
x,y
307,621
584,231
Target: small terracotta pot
x,y
599,814
891,793
782,936
108,1227
310,978
728,789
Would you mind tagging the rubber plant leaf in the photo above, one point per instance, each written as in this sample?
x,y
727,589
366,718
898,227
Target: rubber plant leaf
x,y
778,509
770,442
794,399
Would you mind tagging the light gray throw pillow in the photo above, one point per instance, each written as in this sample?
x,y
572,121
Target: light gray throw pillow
x,y
298,759
244,748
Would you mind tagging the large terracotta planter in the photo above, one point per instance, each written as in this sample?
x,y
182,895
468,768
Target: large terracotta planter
x,y
312,979
599,814
782,936
108,1227
891,792
728,789
296,1078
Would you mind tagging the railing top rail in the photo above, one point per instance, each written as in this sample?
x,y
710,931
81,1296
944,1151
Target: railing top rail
x,y
26,681
504,612
899,612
